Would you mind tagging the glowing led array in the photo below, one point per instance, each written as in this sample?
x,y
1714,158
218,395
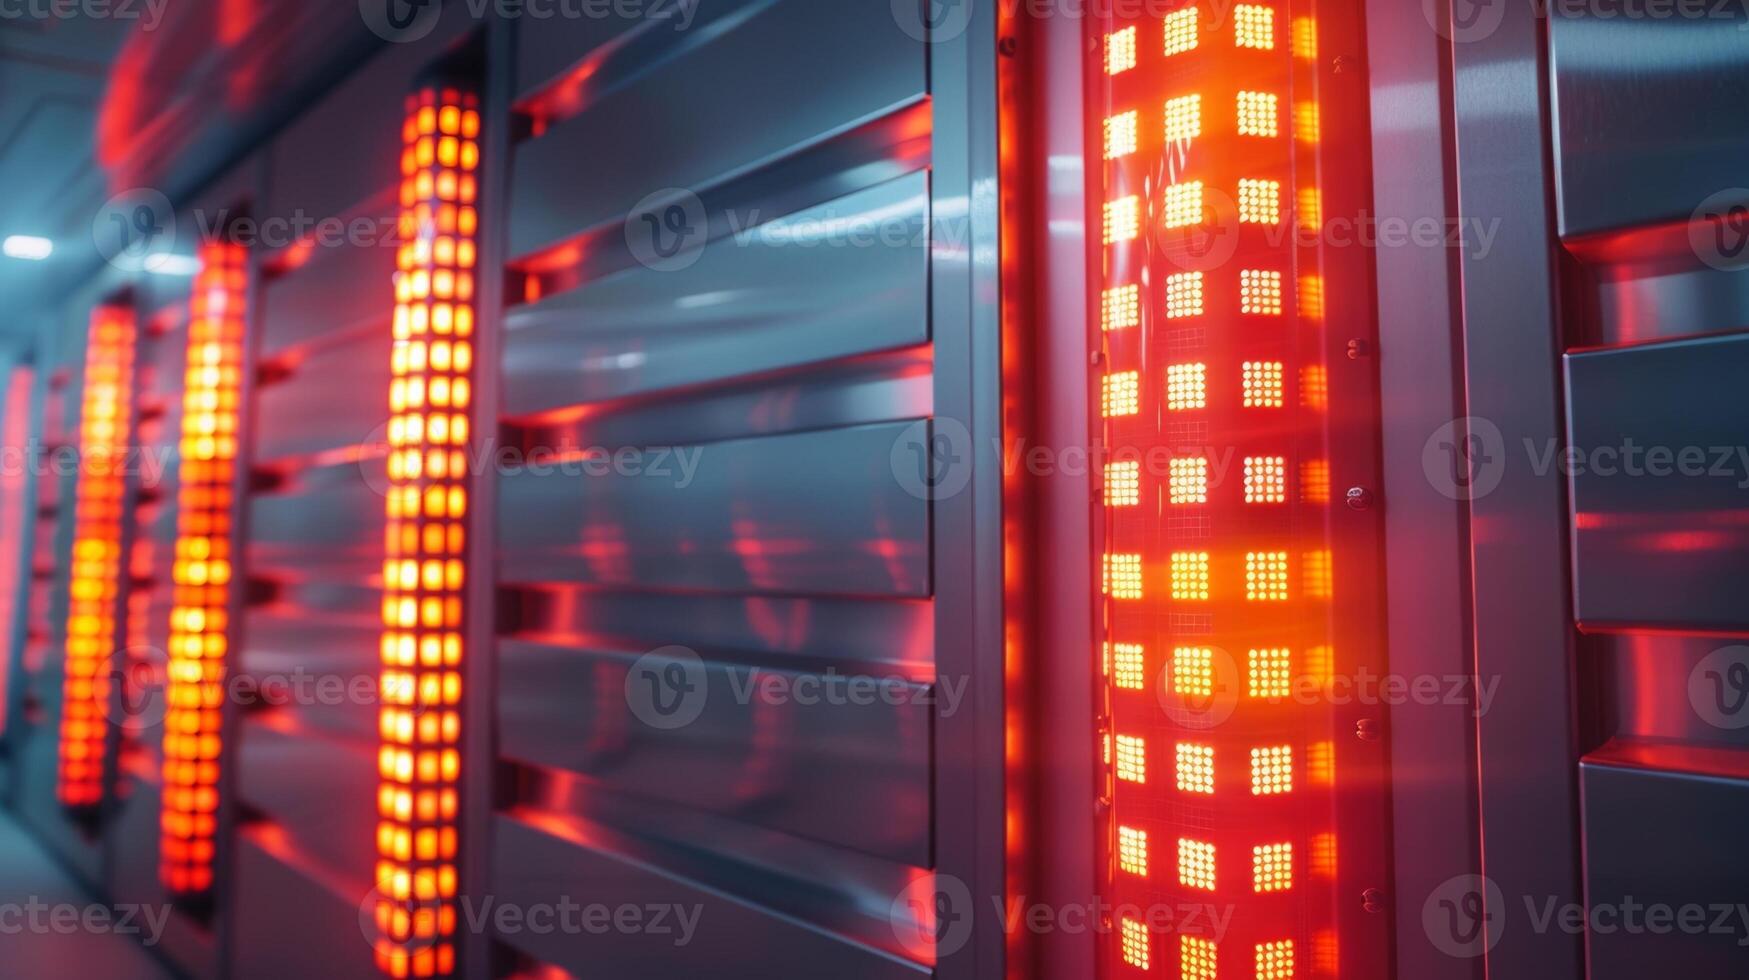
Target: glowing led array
x,y
1123,483
104,430
1196,864
1123,219
202,570
1196,768
1123,576
1190,576
1193,672
1263,383
1257,114
1265,479
1271,673
1272,770
1120,51
424,571
1121,308
1272,867
1254,26
1120,135
1275,961
1188,480
1183,206
1135,943
1183,295
1184,118
1266,576
1132,759
1123,394
1196,958
1306,122
1181,31
1186,387
1132,851
1259,201
1260,292
1129,670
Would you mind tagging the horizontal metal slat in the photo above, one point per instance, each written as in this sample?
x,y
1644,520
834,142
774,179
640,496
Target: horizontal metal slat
x,y
319,792
798,70
815,513
843,279
327,523
291,921
336,397
339,291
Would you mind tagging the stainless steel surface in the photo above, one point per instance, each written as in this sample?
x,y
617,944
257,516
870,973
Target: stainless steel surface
x,y
1528,740
1647,111
1665,861
1658,539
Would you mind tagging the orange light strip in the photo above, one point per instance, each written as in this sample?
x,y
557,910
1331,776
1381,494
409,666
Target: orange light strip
x,y
424,574
202,570
96,568
14,434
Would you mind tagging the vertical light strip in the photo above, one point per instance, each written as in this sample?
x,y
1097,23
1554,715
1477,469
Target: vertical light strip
x,y
202,570
14,434
425,544
104,426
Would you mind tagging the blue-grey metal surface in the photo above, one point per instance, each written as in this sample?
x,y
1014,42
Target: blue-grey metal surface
x,y
1659,540
1648,110
1665,862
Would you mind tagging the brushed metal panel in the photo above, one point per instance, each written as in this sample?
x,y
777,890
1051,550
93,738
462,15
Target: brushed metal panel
x,y
336,397
849,772
1648,110
880,637
610,49
1663,829
1660,542
292,921
327,522
795,71
800,290
339,291
817,513
319,793
735,939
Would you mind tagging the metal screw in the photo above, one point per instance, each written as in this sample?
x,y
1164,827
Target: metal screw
x,y
1096,357
1373,900
1358,349
1367,730
1359,498
1008,46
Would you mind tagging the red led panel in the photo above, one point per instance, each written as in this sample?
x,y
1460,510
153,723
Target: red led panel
x,y
14,434
104,426
1218,577
201,573
424,570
